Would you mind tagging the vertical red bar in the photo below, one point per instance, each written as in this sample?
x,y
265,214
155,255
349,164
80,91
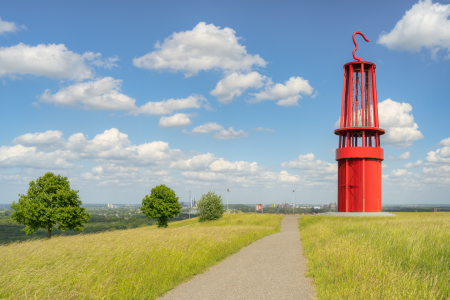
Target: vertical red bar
x,y
364,185
350,95
346,185
375,100
347,144
343,96
363,90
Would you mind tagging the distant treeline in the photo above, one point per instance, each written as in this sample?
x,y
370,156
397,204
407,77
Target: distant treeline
x,y
12,232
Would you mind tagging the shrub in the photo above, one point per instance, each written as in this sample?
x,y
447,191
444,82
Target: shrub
x,y
210,207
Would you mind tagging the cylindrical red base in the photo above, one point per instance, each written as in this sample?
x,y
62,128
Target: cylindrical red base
x,y
359,185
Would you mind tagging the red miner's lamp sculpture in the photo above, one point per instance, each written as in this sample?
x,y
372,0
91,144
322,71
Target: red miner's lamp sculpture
x,y
359,154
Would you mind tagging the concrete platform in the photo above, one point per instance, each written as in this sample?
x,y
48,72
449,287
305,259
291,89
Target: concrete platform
x,y
357,214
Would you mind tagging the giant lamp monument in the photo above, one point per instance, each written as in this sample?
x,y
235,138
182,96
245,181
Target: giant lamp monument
x,y
359,154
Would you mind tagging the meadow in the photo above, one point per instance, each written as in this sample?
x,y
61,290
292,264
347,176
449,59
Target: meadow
x,y
403,257
141,263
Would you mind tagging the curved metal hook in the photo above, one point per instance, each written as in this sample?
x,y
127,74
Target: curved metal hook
x,y
356,45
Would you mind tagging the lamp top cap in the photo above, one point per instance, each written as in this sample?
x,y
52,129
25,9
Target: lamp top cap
x,y
356,45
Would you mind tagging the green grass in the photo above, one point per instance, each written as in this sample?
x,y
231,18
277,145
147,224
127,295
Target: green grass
x,y
141,263
404,257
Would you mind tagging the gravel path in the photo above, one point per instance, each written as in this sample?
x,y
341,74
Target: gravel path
x,y
270,268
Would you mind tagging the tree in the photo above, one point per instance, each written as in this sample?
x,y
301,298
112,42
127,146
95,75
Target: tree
x,y
49,202
210,207
162,203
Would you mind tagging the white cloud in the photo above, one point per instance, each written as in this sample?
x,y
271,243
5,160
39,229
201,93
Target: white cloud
x,y
175,121
413,165
441,155
221,133
198,162
102,93
445,142
286,177
50,139
234,84
425,25
54,61
205,128
117,162
308,163
6,27
105,94
171,105
29,157
264,129
286,94
229,134
223,165
397,120
204,47
403,156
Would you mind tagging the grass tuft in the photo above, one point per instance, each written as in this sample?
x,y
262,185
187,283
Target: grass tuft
x,y
141,263
404,257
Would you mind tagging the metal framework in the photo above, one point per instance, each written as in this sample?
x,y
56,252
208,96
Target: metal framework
x,y
359,154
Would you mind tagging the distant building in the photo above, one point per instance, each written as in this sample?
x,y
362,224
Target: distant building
x,y
333,205
434,210
110,205
316,207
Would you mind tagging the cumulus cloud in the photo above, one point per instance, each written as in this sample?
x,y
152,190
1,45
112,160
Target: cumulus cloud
x,y
309,163
286,94
425,25
118,162
445,142
29,157
198,162
175,121
234,84
205,128
413,165
397,120
403,156
105,94
171,105
221,133
54,61
7,27
264,129
51,139
229,134
203,48
102,93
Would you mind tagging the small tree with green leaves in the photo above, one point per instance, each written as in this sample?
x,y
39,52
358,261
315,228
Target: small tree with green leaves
x,y
210,207
162,203
50,202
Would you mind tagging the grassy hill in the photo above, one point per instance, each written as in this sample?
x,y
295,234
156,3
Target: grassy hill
x,y
141,263
404,257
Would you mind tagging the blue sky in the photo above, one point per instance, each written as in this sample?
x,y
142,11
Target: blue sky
x,y
200,96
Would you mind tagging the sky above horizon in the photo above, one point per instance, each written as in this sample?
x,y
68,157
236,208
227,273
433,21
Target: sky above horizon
x,y
202,96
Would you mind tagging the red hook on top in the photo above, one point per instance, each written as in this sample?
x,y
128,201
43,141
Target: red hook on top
x,y
356,45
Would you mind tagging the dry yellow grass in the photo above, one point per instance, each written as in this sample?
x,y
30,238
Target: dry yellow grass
x,y
404,257
140,263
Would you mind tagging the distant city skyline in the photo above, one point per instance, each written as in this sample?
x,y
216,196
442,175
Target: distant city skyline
x,y
123,96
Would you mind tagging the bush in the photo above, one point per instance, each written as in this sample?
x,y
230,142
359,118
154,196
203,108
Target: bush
x,y
210,207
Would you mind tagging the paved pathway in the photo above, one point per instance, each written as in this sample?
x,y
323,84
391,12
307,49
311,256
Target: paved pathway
x,y
270,268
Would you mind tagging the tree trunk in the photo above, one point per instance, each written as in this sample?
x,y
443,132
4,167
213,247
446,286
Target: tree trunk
x,y
49,233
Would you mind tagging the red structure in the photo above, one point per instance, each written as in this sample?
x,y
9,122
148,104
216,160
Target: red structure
x,y
359,154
